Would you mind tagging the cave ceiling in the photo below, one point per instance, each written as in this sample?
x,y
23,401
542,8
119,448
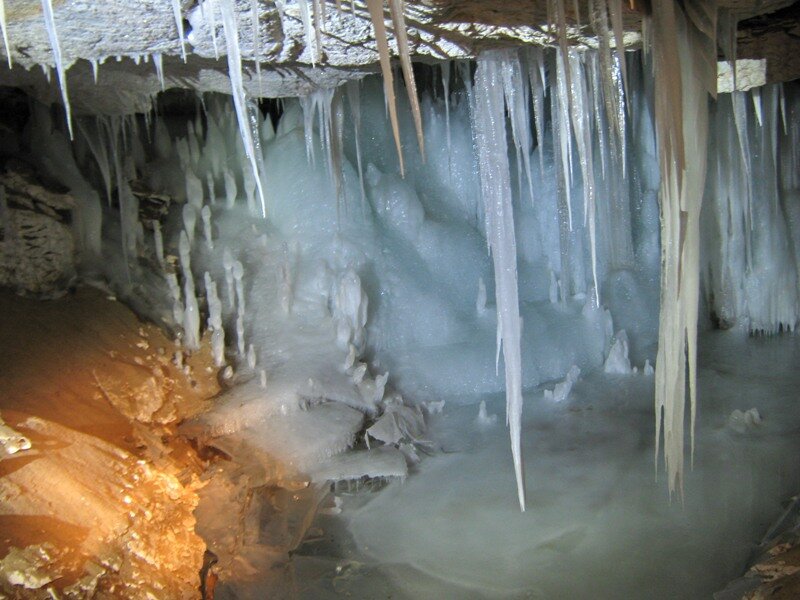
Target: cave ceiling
x,y
121,38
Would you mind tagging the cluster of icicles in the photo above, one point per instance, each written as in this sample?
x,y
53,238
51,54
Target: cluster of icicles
x,y
583,101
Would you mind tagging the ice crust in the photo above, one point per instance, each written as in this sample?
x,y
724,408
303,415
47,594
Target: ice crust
x,y
450,530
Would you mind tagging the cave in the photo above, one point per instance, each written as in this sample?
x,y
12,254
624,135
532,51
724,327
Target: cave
x,y
428,299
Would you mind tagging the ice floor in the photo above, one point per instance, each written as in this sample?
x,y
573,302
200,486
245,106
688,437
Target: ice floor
x,y
597,523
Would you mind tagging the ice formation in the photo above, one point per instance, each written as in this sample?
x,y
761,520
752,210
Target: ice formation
x,y
398,20
368,285
244,111
176,12
683,80
561,390
490,136
617,361
4,27
52,34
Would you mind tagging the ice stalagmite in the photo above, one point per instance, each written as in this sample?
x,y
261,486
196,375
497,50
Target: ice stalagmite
x,y
50,25
4,26
679,48
489,128
227,8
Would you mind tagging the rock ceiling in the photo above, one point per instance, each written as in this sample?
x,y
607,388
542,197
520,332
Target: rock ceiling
x,y
122,37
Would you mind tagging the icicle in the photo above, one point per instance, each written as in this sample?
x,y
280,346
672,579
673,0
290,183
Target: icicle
x,y
308,29
519,114
239,98
4,27
376,15
335,120
209,10
445,66
681,52
308,104
755,94
740,118
615,10
580,122
537,84
319,23
176,12
50,25
256,39
562,131
401,36
599,18
354,99
490,137
99,151
783,108
158,63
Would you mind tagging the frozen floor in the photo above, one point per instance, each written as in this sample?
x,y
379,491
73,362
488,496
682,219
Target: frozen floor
x,y
597,524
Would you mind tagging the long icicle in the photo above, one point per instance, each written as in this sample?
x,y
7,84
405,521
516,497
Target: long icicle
x,y
681,51
354,100
4,26
256,40
489,126
615,11
518,104
50,25
401,35
582,128
376,15
308,29
239,97
176,12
